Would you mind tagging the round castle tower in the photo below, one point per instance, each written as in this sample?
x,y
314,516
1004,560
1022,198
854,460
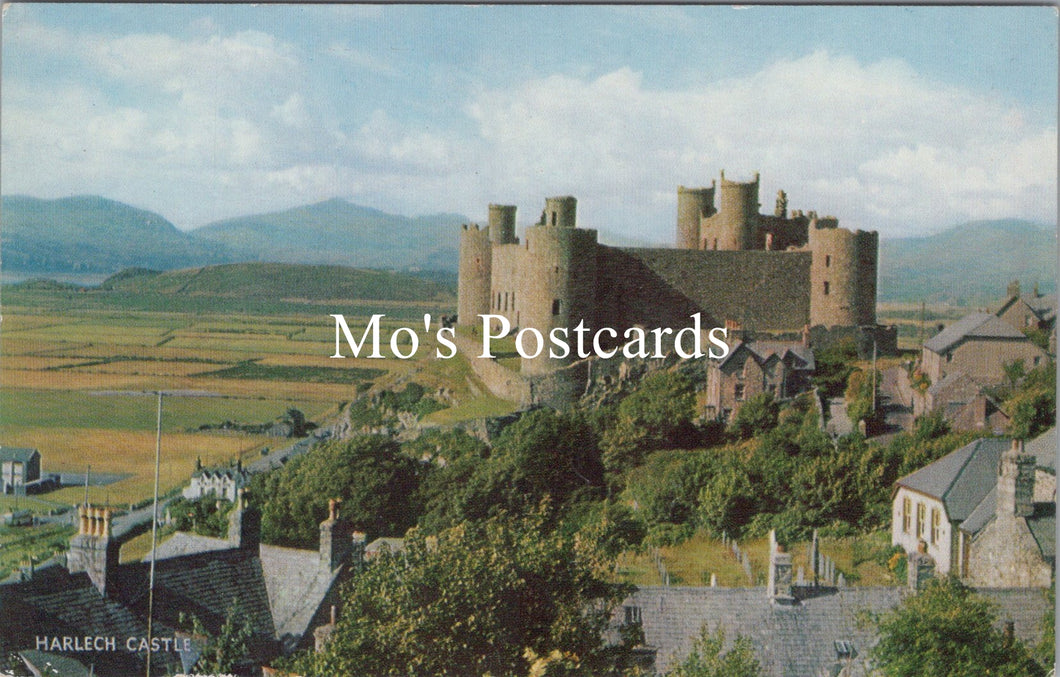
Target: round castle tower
x,y
693,205
560,274
737,215
502,224
475,273
842,275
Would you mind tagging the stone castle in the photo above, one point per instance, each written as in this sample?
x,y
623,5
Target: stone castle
x,y
778,273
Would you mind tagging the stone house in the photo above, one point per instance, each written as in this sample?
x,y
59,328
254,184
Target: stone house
x,y
19,467
285,593
782,368
1028,311
962,403
222,482
974,513
979,345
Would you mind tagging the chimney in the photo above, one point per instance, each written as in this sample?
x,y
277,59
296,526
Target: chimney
x,y
336,538
244,524
1013,288
93,550
921,568
779,586
1015,482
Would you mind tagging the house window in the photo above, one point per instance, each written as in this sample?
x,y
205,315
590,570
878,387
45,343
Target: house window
x,y
907,514
936,523
555,306
633,614
920,519
737,392
826,287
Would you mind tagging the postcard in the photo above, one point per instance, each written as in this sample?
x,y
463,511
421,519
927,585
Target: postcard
x,y
369,339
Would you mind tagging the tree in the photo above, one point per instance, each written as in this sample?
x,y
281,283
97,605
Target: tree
x,y
378,486
757,415
658,415
492,597
708,660
947,631
223,653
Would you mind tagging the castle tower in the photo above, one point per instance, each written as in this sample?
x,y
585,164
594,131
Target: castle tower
x,y
693,205
559,276
502,224
93,550
735,225
475,271
842,275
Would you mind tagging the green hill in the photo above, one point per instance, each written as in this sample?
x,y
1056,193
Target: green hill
x,y
282,281
338,232
970,263
90,234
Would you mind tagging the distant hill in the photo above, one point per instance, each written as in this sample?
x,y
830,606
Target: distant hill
x,y
338,232
972,262
90,234
282,281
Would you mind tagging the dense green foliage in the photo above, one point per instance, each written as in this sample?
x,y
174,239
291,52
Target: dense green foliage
x,y
495,597
207,516
1031,401
657,415
947,631
757,415
228,650
834,366
377,484
708,659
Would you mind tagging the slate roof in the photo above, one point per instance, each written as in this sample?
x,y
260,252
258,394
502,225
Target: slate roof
x,y
961,479
975,325
296,585
183,543
22,454
1044,449
763,350
798,640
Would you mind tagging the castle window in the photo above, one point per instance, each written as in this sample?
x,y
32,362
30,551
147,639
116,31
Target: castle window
x,y
505,300
920,510
826,287
827,261
553,218
907,514
715,244
513,300
555,306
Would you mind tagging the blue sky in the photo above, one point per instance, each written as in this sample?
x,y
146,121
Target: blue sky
x,y
901,119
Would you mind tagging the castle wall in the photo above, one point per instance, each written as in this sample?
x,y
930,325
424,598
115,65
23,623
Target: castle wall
x,y
767,291
508,293
475,270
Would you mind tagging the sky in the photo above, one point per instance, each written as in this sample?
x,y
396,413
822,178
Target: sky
x,y
904,120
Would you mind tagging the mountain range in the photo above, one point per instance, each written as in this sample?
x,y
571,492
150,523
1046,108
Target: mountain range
x,y
90,234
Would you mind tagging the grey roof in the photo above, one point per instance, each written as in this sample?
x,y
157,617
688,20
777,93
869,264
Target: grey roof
x,y
960,479
976,325
1044,449
296,585
797,640
183,543
23,454
763,350
953,380
983,514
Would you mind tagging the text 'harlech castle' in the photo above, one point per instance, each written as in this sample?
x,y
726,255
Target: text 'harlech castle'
x,y
739,268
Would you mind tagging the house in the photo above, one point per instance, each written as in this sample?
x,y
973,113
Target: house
x,y
797,629
222,482
979,345
19,467
1028,311
284,593
781,368
974,513
963,404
